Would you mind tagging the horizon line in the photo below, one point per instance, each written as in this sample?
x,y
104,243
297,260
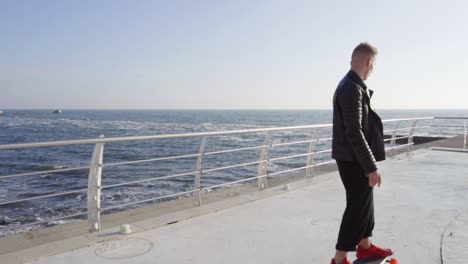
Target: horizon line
x,y
211,109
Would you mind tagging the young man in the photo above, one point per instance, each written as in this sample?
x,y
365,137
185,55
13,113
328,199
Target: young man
x,y
357,145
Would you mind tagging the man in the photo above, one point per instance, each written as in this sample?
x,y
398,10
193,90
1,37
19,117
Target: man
x,y
357,145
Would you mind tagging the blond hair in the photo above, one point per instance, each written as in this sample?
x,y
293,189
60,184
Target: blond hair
x,y
364,49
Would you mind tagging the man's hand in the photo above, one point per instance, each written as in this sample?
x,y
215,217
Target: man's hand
x,y
374,178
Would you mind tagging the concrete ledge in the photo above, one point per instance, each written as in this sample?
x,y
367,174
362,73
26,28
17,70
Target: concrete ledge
x,y
450,149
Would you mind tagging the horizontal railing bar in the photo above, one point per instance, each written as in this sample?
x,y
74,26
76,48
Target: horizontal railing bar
x,y
406,128
301,142
295,169
271,174
148,160
48,220
292,143
233,182
301,168
45,172
450,117
324,163
234,166
399,146
293,156
233,150
148,180
154,137
147,200
447,126
301,155
46,196
407,119
323,151
389,139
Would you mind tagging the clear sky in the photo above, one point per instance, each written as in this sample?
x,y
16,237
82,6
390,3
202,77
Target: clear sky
x,y
239,54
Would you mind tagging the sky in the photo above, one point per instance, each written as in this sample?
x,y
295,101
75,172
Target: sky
x,y
239,54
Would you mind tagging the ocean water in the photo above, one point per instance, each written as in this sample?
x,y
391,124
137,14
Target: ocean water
x,y
25,126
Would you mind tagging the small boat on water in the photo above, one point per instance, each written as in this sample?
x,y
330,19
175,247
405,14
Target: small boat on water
x,y
57,111
1,112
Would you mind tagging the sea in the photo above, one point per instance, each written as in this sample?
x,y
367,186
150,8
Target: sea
x,y
28,126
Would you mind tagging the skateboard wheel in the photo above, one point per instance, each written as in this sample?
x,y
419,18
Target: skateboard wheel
x,y
393,261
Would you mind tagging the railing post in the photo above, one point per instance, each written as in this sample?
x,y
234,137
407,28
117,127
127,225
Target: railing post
x,y
431,127
94,189
263,166
310,171
392,141
197,194
410,139
464,139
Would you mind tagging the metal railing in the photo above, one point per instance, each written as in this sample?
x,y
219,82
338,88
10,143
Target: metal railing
x,y
97,165
465,128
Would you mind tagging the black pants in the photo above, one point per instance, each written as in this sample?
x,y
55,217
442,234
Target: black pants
x,y
358,217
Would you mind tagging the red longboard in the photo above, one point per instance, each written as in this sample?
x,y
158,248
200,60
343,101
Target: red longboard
x,y
376,261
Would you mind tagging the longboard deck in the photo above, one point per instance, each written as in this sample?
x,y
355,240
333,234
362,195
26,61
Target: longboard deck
x,y
372,261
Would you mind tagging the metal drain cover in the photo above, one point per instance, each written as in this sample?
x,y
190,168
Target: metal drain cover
x,y
123,248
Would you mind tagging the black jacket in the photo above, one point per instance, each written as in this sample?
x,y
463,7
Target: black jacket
x,y
357,129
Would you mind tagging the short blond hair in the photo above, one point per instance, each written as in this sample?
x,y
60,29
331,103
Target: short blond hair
x,y
365,49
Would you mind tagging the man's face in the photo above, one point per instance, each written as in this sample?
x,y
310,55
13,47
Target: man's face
x,y
369,67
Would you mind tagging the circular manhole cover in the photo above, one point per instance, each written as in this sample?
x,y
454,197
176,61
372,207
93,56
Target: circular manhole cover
x,y
123,248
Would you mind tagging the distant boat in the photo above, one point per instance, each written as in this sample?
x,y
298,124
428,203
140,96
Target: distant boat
x,y
58,111
1,112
